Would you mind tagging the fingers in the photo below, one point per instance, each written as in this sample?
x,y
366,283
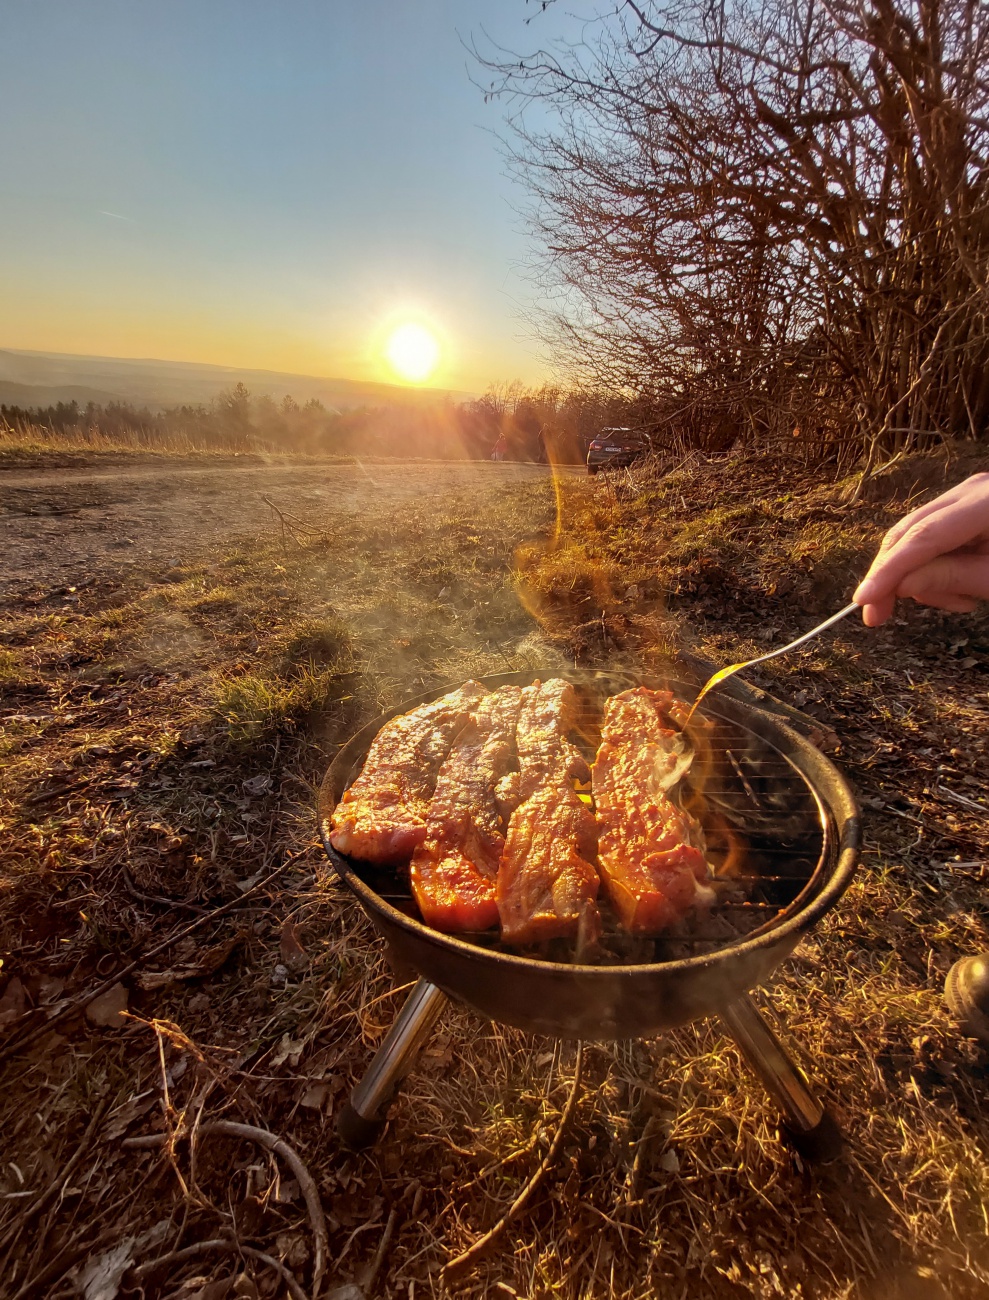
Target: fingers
x,y
903,526
955,583
962,522
875,614
952,582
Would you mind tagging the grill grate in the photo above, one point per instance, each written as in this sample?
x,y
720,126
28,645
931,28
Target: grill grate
x,y
768,839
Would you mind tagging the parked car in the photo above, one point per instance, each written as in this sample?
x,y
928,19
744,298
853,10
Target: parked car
x,y
614,449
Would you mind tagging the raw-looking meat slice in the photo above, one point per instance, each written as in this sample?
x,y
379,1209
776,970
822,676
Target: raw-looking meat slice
x,y
649,850
547,883
453,871
382,816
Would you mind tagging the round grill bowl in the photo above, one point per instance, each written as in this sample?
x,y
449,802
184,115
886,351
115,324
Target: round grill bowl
x,y
573,1000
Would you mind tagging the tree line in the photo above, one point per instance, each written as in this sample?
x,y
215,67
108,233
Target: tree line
x,y
540,424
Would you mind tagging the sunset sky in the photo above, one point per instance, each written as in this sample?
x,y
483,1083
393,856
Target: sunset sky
x,y
263,183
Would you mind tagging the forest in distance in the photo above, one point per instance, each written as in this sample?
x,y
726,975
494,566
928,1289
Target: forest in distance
x,y
538,424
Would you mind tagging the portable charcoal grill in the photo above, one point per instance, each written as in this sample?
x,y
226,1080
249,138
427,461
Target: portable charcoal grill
x,y
782,831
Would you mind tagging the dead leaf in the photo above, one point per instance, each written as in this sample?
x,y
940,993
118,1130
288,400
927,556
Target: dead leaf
x,y
121,1119
255,785
49,989
287,1192
289,1049
207,962
250,1216
100,1277
292,952
150,981
108,1009
293,1249
314,1096
13,1004
176,1070
215,1290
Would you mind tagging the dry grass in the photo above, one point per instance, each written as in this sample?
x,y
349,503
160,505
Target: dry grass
x,y
163,740
34,446
30,444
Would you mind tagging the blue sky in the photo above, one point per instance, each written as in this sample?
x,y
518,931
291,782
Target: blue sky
x,y
261,183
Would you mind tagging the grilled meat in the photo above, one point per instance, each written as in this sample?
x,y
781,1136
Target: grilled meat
x,y
650,850
453,870
549,711
547,884
382,816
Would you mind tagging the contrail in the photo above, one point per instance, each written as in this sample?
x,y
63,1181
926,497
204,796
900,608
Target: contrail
x,y
113,214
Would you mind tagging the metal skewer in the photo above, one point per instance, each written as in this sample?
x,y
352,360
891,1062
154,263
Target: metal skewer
x,y
724,673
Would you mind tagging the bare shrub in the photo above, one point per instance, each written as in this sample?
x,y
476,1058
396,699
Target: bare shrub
x,y
769,215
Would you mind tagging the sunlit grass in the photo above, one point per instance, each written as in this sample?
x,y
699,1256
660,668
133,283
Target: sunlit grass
x,y
186,718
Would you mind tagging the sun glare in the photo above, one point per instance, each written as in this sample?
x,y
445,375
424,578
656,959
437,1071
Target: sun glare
x,y
412,352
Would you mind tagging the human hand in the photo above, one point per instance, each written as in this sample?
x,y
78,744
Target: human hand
x,y
937,555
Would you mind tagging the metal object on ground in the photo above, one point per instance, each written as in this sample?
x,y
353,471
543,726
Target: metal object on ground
x,y
966,992
783,828
810,1127
362,1119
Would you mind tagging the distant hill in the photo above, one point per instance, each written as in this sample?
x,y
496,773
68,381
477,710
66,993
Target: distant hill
x,y
43,378
36,395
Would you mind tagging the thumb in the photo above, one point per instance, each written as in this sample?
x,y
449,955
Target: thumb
x,y
953,582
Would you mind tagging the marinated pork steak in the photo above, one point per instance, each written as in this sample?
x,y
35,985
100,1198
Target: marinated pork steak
x,y
649,849
547,884
453,870
382,816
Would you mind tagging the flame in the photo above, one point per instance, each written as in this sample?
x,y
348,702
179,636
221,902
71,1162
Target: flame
x,y
571,586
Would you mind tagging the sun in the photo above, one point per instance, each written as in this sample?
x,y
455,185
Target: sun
x,y
412,352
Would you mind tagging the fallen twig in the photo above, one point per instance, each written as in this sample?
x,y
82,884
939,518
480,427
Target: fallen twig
x,y
291,525
61,1262
42,796
174,903
369,1275
48,1195
80,1003
231,1247
277,1145
474,1252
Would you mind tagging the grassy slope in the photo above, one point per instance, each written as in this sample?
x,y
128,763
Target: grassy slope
x,y
724,560
162,742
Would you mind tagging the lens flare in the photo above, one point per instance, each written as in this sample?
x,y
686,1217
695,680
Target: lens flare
x,y
412,352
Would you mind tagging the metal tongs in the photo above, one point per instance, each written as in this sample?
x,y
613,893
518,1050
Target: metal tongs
x,y
724,673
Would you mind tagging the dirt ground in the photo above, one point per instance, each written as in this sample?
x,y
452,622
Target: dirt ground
x,y
165,727
62,526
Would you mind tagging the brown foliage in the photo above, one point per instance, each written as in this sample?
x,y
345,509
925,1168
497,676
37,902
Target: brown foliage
x,y
771,216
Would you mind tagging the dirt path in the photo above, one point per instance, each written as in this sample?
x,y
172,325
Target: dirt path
x,y
66,526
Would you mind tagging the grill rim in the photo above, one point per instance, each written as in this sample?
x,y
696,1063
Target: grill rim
x,y
826,783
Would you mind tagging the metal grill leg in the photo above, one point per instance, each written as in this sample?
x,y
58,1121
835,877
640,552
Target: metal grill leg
x,y
810,1127
362,1118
